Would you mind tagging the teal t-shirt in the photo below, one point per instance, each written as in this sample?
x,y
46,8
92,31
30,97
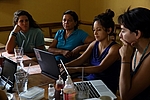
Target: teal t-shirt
x,y
76,38
33,38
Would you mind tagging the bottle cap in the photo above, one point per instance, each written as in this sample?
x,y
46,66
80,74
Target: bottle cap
x,y
68,80
60,80
51,85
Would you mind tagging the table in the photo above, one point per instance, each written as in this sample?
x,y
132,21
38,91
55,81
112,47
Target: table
x,y
35,77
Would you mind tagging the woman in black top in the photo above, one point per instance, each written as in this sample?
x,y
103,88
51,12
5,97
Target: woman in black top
x,y
135,67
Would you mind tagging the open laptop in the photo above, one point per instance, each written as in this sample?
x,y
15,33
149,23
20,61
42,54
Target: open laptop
x,y
48,64
8,70
96,88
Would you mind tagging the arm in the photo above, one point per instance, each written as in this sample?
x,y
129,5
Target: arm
x,y
80,60
113,53
83,47
52,48
130,87
11,44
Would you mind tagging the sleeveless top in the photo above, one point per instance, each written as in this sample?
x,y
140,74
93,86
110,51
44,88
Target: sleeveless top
x,y
109,76
145,95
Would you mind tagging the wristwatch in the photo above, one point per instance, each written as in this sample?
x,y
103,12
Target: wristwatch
x,y
14,34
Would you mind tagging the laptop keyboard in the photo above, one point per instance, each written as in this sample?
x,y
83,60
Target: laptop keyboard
x,y
87,85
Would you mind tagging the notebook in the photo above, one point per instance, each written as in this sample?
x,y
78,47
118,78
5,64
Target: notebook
x,y
8,70
48,63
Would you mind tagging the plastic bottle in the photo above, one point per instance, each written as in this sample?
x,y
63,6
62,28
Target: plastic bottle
x,y
51,92
59,86
69,92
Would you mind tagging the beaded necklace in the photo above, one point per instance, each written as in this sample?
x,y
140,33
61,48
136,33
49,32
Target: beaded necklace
x,y
141,56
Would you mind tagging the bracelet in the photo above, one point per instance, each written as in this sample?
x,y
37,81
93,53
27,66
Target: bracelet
x,y
125,62
14,34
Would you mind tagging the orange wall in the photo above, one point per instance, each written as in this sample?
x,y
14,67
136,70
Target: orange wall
x,y
44,11
90,8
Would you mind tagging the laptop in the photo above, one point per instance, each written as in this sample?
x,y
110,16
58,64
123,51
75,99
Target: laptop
x,y
96,88
48,64
7,75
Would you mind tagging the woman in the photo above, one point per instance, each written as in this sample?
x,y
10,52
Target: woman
x,y
103,53
70,41
26,33
135,67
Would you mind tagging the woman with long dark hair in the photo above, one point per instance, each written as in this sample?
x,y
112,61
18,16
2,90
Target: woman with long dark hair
x,y
26,32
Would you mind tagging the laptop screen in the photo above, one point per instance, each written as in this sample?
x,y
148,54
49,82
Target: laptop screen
x,y
49,66
8,70
48,63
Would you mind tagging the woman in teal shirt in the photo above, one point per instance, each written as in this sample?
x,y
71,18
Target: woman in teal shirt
x,y
25,32
69,41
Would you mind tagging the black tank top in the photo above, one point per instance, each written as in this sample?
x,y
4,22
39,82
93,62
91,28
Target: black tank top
x,y
144,95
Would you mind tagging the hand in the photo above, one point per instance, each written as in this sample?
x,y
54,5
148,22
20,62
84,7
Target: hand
x,y
61,67
126,51
67,53
16,29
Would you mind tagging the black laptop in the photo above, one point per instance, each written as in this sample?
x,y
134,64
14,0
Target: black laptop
x,y
8,70
48,63
49,66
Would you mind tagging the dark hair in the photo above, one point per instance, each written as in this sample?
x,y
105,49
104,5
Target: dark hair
x,y
136,19
74,15
18,13
106,20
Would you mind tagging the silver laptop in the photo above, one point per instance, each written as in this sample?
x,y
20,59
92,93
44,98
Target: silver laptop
x,y
96,88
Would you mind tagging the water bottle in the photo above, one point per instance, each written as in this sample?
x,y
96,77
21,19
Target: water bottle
x,y
51,92
69,92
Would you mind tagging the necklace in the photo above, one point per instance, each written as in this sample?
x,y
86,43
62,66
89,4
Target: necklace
x,y
144,52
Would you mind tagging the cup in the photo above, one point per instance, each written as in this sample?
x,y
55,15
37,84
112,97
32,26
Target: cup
x,y
21,81
82,94
106,98
18,52
3,95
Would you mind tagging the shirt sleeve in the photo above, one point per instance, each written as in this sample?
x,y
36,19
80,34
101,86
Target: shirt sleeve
x,y
83,35
58,34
